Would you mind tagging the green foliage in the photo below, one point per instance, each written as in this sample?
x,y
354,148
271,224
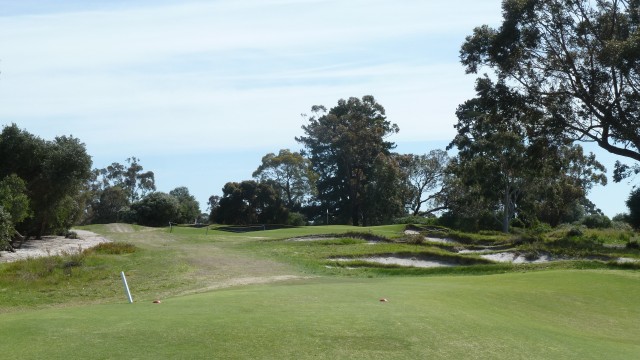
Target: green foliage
x,y
54,173
421,220
296,219
189,206
423,177
291,175
249,202
6,229
384,191
597,221
574,60
156,209
507,167
113,202
131,178
13,198
113,189
633,203
343,145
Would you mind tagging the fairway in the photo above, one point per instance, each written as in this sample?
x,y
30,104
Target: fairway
x,y
539,315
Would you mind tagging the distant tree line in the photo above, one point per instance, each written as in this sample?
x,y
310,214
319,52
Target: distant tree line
x,y
127,193
46,187
505,172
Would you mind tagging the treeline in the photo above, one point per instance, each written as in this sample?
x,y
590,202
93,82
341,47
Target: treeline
x,y
347,173
46,187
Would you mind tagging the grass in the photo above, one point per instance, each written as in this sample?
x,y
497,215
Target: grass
x,y
541,315
52,310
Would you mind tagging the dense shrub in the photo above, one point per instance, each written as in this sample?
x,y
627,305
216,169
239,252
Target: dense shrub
x,y
416,220
296,219
624,217
156,209
596,221
6,229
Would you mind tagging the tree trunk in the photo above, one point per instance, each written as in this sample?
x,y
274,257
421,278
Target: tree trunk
x,y
506,207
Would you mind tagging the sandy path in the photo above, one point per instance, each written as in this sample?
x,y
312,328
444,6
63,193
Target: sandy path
x,y
53,245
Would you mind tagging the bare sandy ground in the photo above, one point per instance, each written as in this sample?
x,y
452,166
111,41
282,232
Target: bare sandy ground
x,y
53,245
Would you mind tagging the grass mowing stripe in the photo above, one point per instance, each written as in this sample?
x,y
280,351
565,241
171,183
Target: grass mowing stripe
x,y
540,315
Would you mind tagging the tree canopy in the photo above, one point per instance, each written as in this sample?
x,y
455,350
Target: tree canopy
x,y
189,208
249,202
511,166
291,175
343,145
54,173
576,60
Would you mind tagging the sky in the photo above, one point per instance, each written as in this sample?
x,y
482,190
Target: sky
x,y
200,91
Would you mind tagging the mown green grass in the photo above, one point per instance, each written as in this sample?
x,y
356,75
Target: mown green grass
x,y
541,315
498,311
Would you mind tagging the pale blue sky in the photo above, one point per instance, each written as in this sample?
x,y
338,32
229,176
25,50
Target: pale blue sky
x,y
201,90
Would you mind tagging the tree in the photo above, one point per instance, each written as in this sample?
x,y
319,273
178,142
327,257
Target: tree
x,y
54,173
156,209
513,166
249,202
424,175
343,145
14,208
291,175
6,229
633,204
131,178
111,205
14,199
385,191
189,206
577,60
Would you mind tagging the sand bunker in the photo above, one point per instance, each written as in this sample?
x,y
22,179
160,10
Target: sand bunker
x,y
53,245
515,258
313,238
392,260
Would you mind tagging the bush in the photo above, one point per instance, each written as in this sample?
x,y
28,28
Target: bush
x,y
621,218
6,229
596,221
296,219
156,209
621,226
575,232
416,220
